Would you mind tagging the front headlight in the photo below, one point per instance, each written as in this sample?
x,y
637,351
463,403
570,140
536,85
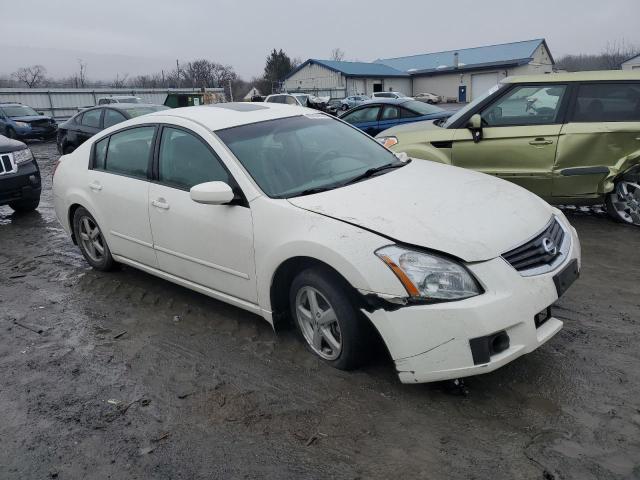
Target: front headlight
x,y
22,156
22,124
387,141
427,276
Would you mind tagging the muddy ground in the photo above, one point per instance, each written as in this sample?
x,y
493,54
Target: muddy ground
x,y
133,377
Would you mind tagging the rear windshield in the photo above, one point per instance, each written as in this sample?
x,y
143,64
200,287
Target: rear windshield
x,y
422,108
137,111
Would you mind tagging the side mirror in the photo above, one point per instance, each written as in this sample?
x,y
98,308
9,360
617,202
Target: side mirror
x,y
475,125
212,193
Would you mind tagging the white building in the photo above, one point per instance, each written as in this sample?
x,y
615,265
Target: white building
x,y
461,74
631,64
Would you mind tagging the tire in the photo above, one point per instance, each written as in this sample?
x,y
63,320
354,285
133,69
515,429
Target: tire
x,y
23,206
11,133
345,108
91,241
342,343
623,203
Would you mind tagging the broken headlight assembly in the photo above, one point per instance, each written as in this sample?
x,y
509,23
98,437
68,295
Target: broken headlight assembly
x,y
22,156
429,277
387,141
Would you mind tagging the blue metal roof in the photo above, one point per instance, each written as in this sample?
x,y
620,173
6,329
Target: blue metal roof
x,y
491,55
354,69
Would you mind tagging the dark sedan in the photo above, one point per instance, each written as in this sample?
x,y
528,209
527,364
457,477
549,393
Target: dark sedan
x,y
377,115
82,126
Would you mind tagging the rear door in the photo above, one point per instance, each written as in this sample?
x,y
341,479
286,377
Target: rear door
x,y
119,187
90,124
520,135
603,127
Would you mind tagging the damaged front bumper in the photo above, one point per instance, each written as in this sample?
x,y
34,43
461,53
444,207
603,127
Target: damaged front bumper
x,y
452,340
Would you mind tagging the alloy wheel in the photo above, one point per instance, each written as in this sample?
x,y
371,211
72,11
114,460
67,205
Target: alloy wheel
x,y
91,239
318,322
626,201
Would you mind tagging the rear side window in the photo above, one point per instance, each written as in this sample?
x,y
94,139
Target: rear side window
x,y
367,114
185,160
100,154
607,102
112,117
92,118
129,151
390,113
404,113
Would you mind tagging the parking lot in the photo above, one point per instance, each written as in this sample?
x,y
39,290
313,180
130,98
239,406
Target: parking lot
x,y
124,375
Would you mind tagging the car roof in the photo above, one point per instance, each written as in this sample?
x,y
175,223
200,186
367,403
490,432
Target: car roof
x,y
218,116
602,75
390,101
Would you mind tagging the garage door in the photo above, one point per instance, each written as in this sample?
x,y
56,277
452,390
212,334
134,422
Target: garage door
x,y
481,82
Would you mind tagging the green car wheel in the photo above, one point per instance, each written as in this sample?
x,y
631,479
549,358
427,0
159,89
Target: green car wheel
x,y
623,204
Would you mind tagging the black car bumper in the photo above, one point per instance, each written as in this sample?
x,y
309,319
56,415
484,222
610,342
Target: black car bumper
x,y
25,184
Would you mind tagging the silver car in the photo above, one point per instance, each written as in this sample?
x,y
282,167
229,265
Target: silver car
x,y
353,101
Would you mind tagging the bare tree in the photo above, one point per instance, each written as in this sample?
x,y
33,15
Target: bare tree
x,y
610,59
119,82
337,54
82,74
33,76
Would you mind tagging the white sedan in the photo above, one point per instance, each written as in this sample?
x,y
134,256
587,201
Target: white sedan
x,y
295,215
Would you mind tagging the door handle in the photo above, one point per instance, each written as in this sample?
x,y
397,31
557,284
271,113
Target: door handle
x,y
160,203
540,141
95,186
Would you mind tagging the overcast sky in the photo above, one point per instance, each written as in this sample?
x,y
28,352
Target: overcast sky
x,y
141,36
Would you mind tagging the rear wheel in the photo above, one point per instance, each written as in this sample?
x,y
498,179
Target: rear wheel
x,y
623,204
327,318
91,241
22,206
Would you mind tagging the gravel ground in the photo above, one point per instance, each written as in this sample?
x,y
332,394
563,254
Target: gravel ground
x,y
123,375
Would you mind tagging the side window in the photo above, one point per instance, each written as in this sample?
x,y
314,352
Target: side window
x,y
404,113
100,154
129,151
289,100
613,102
526,105
92,118
367,114
112,117
390,113
185,160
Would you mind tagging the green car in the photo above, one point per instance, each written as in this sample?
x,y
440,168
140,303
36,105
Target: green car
x,y
571,138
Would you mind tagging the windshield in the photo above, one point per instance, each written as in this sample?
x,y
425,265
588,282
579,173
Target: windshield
x,y
293,156
137,111
422,108
19,111
460,113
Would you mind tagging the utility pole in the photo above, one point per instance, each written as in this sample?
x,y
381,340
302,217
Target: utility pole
x,y
230,90
178,70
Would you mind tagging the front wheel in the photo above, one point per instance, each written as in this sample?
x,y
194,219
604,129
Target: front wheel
x,y
623,203
23,206
327,318
91,241
345,108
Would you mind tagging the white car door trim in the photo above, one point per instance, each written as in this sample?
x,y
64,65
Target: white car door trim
x,y
252,307
202,262
131,239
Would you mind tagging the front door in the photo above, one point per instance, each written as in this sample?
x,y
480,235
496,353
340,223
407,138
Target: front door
x,y
119,190
602,129
211,245
520,136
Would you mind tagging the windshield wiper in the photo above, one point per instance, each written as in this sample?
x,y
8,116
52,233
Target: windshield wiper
x,y
311,191
372,171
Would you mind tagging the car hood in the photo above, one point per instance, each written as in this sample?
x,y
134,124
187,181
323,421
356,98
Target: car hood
x,y
466,214
8,145
30,118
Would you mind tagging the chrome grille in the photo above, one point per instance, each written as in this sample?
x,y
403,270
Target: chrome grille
x,y
6,164
542,253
